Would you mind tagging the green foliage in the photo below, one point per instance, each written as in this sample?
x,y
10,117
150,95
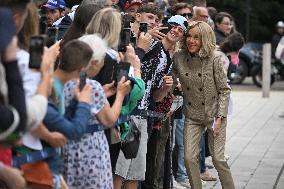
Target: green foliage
x,y
263,15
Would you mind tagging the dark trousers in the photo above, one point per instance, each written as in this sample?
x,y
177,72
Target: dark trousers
x,y
155,150
114,150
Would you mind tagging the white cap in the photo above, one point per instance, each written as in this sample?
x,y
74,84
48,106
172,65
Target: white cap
x,y
179,20
280,24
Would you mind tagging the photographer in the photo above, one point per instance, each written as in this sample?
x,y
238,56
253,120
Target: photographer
x,y
110,29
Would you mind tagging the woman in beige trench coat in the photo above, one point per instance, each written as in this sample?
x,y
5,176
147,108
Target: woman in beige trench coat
x,y
206,95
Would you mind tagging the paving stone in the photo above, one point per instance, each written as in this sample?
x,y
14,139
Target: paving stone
x,y
255,139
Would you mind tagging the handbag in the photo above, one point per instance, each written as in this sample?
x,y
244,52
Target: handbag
x,y
130,144
37,175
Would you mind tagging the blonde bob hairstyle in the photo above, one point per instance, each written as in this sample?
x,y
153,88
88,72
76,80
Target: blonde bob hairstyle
x,y
107,23
207,36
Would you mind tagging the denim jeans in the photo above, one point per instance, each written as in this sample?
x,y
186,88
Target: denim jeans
x,y
181,174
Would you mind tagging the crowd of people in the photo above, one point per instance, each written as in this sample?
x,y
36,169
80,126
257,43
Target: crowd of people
x,y
99,95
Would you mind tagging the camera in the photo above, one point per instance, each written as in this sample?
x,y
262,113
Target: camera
x,y
37,44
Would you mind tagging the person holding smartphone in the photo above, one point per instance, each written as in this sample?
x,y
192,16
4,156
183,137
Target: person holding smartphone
x,y
155,71
93,164
58,121
151,15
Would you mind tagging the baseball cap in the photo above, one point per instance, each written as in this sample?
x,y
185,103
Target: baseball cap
x,y
179,20
7,28
130,3
55,4
280,24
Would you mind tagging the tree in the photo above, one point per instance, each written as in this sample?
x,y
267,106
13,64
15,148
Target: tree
x,y
200,3
259,16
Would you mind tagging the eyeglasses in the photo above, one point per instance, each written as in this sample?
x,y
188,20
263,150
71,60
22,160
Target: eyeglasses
x,y
189,15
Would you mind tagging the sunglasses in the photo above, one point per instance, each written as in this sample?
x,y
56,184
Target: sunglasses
x,y
189,15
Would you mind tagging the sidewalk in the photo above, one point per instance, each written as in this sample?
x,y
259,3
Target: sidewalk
x,y
255,140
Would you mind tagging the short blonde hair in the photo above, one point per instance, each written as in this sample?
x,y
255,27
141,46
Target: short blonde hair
x,y
107,23
97,44
207,36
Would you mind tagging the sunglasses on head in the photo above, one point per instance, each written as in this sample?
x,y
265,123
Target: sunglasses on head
x,y
189,15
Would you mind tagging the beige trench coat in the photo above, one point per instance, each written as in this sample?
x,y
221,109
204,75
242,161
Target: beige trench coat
x,y
204,83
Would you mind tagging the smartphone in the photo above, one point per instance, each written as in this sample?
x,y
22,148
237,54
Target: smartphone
x,y
165,20
43,24
166,31
83,78
143,27
122,69
124,39
126,20
37,44
52,36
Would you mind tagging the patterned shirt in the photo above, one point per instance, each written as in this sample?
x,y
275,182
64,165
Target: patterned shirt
x,y
87,161
154,66
98,97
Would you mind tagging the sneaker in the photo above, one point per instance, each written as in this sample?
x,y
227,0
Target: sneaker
x,y
185,183
209,166
227,157
177,185
203,183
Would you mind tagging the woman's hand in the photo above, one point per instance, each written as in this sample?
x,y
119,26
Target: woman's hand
x,y
85,95
123,87
217,127
130,57
109,89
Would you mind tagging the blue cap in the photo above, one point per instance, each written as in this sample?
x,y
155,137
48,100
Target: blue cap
x,y
7,28
179,20
55,4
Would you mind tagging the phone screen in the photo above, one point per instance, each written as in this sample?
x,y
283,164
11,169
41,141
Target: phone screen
x,y
124,39
37,44
122,69
83,77
43,24
143,27
52,36
165,31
